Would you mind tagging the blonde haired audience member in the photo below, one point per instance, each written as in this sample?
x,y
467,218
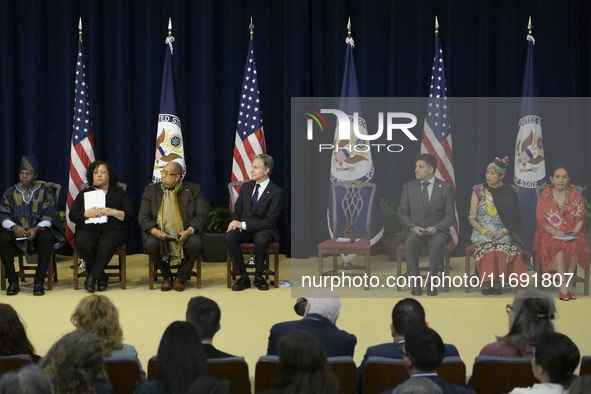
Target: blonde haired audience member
x,y
98,315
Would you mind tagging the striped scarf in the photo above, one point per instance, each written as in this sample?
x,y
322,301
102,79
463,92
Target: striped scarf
x,y
170,221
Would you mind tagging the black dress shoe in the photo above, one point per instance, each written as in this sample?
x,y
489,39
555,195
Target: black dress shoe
x,y
495,291
416,291
486,291
241,284
13,289
38,289
432,292
260,283
90,284
103,284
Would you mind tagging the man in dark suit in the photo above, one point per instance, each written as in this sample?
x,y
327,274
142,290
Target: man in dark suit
x,y
319,319
173,216
427,210
423,351
405,314
255,215
205,314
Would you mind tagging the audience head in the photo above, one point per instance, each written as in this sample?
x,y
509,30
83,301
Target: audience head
x,y
581,385
300,306
424,348
29,379
556,358
13,338
418,386
303,367
405,314
204,314
98,315
207,385
530,315
181,358
94,166
75,363
325,303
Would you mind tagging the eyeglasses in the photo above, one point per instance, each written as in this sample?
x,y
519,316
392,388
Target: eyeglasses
x,y
166,173
508,308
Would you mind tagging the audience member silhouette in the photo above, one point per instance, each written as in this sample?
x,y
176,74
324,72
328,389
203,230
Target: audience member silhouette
x,y
29,379
205,314
75,365
530,315
303,367
180,361
13,337
322,312
98,315
555,359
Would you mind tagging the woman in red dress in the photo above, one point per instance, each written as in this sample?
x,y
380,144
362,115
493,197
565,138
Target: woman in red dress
x,y
560,233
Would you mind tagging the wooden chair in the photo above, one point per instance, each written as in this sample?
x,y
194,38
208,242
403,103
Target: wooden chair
x,y
153,274
123,374
351,206
492,375
112,270
23,266
232,369
116,270
536,252
424,250
585,366
248,248
13,363
382,373
343,367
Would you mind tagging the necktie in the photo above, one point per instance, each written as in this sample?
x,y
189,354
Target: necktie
x,y
255,197
425,194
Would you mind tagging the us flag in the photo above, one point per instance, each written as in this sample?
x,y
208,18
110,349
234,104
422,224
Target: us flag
x,y
436,130
82,147
250,138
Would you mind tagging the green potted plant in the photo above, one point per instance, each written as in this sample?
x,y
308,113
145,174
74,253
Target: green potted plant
x,y
214,248
392,237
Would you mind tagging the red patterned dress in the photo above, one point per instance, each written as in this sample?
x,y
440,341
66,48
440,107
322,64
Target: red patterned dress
x,y
563,217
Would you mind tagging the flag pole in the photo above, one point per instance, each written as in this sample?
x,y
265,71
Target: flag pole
x,y
80,29
251,27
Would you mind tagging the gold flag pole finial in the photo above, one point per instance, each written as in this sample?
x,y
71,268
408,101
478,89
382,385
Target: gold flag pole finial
x,y
80,29
529,27
436,26
251,27
349,28
169,27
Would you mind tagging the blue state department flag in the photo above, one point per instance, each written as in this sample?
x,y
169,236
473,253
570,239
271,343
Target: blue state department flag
x,y
530,164
169,138
348,163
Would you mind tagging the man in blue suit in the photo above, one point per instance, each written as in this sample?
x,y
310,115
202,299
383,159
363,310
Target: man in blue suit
x,y
319,319
254,220
422,352
405,314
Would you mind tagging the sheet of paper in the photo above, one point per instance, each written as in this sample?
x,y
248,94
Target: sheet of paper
x,y
95,199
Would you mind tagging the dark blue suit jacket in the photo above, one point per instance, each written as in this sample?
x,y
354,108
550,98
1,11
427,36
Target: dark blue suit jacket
x,y
392,350
449,388
336,342
266,211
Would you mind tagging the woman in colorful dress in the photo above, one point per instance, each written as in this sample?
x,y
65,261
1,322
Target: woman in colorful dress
x,y
560,233
496,222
